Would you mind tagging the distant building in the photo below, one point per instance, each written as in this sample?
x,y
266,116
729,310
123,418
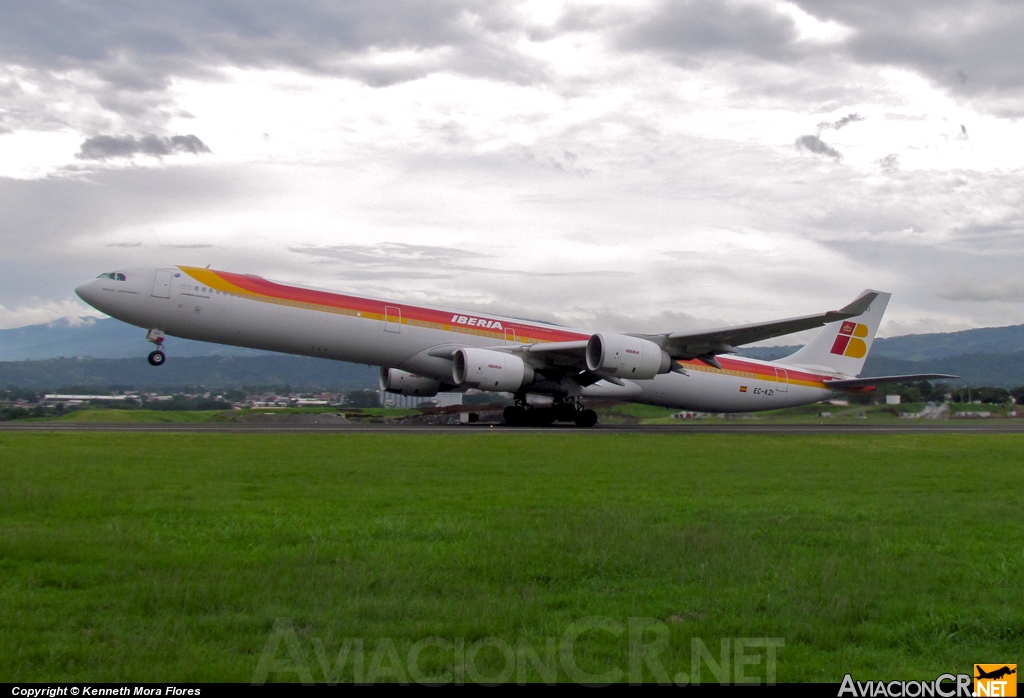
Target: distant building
x,y
408,401
78,399
892,399
930,411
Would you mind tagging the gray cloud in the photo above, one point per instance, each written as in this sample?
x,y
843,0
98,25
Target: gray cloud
x,y
138,46
688,29
1009,292
845,121
970,47
103,147
815,145
848,119
890,163
136,50
393,260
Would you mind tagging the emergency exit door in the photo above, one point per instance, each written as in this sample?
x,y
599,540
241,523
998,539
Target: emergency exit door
x,y
392,319
162,284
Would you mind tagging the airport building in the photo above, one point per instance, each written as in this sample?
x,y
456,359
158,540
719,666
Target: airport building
x,y
405,401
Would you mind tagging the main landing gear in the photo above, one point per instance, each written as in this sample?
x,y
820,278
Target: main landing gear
x,y
570,410
157,357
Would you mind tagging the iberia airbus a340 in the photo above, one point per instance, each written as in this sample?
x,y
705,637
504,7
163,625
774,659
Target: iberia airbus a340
x,y
425,350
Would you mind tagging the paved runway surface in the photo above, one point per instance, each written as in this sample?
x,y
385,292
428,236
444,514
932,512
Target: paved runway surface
x,y
944,427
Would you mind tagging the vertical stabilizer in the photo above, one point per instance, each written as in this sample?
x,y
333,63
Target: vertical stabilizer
x,y
843,346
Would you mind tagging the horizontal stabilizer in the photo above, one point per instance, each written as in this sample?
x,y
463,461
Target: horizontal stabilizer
x,y
880,380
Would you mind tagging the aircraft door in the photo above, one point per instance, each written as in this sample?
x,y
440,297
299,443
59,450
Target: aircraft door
x,y
782,380
510,335
392,319
162,284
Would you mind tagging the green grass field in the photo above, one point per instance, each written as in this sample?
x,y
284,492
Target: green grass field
x,y
158,557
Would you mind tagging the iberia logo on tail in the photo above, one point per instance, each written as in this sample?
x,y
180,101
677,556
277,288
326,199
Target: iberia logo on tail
x,y
850,342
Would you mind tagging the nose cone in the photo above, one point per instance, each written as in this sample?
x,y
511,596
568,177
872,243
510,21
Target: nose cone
x,y
88,292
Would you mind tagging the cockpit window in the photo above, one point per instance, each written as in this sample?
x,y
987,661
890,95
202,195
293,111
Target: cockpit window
x,y
112,276
120,277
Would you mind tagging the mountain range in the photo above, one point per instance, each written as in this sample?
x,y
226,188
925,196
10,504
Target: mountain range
x,y
90,351
89,337
925,347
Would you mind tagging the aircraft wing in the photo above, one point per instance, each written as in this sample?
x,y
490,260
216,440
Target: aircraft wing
x,y
568,354
704,344
570,357
843,383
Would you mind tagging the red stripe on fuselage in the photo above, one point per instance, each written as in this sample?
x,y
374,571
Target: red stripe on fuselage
x,y
766,371
263,287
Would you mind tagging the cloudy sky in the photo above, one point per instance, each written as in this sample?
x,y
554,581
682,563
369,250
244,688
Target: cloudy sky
x,y
638,165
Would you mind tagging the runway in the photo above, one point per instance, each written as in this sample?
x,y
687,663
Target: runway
x,y
1009,426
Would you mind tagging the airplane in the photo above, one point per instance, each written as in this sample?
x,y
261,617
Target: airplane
x,y
996,673
425,350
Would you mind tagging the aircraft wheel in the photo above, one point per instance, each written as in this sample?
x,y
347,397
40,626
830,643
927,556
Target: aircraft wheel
x,y
514,416
157,358
541,416
586,418
564,413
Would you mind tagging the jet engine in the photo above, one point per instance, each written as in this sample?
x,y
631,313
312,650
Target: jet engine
x,y
490,370
623,356
404,383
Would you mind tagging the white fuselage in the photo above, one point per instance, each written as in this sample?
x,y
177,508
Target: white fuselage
x,y
248,311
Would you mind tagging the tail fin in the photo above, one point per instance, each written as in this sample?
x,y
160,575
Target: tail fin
x,y
842,346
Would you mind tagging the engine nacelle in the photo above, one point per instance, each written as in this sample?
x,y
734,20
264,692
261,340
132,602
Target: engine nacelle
x,y
399,382
623,356
490,370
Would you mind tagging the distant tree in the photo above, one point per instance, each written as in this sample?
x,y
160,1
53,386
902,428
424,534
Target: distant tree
x,y
1018,394
934,392
362,398
8,413
209,404
860,398
993,396
186,403
964,394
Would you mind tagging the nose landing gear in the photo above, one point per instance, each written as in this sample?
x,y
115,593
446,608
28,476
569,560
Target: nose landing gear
x,y
156,357
563,410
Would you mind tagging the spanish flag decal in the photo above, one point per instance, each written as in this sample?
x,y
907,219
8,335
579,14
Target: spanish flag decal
x,y
850,340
